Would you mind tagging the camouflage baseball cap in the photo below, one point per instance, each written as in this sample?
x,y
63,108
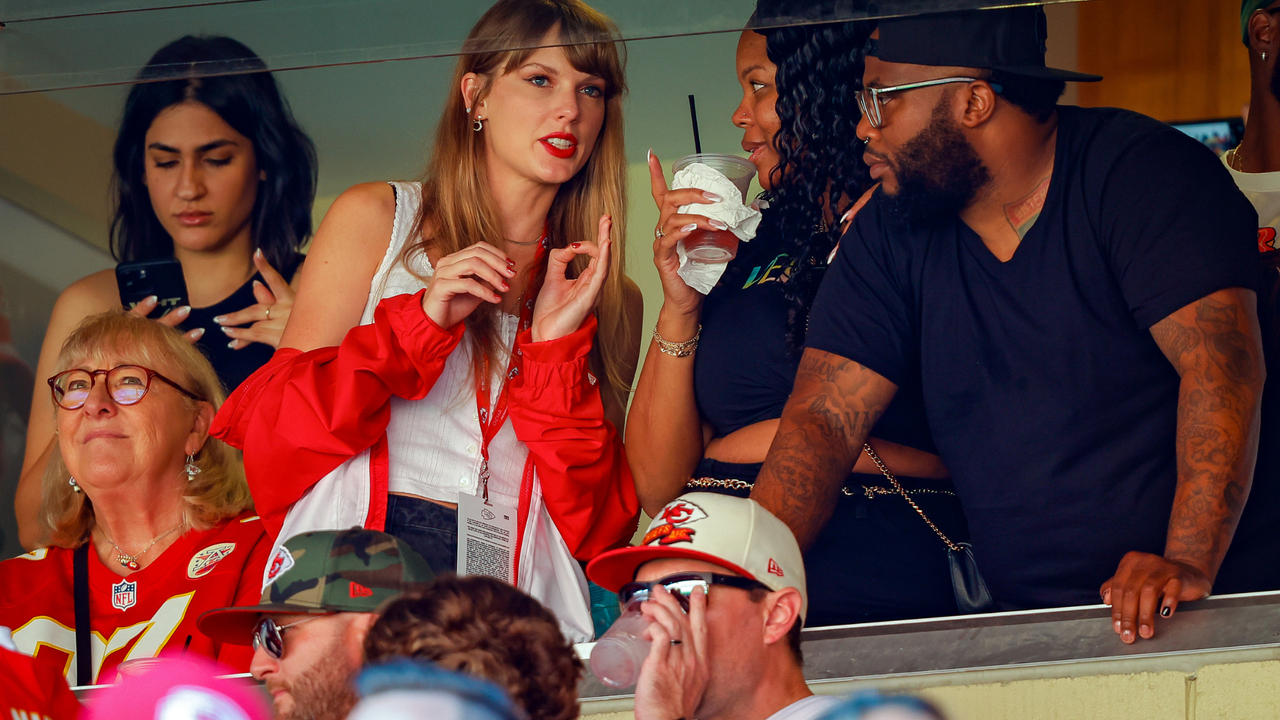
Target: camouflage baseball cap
x,y
328,571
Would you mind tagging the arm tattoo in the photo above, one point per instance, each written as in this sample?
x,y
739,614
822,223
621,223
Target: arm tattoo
x,y
832,409
1215,344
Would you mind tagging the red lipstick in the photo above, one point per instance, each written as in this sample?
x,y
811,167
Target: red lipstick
x,y
564,145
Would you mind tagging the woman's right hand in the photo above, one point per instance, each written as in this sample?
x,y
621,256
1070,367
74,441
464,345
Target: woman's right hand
x,y
672,228
173,318
465,279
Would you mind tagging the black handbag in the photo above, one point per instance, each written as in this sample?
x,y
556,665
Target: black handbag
x,y
970,589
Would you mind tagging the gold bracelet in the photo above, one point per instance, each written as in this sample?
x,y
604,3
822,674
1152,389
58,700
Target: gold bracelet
x,y
677,349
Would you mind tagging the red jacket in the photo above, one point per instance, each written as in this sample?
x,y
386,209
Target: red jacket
x,y
302,415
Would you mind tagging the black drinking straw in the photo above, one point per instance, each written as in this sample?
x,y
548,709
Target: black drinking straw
x,y
693,115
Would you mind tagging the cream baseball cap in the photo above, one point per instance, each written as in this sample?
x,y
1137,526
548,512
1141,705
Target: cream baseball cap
x,y
734,532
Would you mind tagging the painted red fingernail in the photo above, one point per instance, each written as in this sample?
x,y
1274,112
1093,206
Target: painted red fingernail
x,y
511,262
576,245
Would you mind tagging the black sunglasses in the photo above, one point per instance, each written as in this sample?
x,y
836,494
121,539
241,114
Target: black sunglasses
x,y
682,585
270,637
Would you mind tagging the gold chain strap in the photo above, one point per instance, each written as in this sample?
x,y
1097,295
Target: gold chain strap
x,y
896,486
677,349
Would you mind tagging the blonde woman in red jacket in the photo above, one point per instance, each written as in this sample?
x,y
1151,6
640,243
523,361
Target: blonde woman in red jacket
x,y
472,336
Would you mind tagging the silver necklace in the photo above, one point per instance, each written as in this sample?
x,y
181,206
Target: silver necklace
x,y
131,561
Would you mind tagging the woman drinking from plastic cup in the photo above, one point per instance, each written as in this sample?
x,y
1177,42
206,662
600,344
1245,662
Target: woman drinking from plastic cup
x,y
721,366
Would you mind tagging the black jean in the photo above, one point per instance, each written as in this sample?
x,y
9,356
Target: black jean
x,y
876,559
429,528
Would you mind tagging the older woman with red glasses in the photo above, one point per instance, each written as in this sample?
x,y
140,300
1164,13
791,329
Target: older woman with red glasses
x,y
150,519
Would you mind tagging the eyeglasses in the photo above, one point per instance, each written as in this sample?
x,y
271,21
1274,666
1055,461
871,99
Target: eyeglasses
x,y
270,637
873,107
683,584
127,384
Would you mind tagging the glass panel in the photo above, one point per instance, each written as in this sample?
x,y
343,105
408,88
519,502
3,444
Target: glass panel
x,y
85,43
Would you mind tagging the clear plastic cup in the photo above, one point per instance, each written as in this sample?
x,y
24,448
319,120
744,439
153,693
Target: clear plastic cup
x,y
619,653
717,246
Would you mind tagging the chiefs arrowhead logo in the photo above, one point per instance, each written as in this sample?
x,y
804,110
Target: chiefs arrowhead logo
x,y
774,568
358,590
281,561
682,512
202,562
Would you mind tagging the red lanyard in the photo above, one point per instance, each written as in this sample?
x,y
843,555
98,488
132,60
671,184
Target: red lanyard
x,y
492,419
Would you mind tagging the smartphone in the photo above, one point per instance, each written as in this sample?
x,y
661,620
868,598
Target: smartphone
x,y
162,278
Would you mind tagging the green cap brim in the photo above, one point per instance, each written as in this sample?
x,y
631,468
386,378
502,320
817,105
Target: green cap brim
x,y
235,625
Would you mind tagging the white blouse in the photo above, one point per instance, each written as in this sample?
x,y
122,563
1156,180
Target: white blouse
x,y
434,443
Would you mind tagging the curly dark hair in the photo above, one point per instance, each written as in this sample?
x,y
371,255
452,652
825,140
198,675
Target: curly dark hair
x,y
485,627
819,69
249,100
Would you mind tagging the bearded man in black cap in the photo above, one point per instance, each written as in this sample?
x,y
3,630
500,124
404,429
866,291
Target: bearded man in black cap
x,y
1075,286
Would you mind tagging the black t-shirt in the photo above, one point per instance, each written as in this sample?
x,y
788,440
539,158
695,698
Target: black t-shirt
x,y
1048,398
234,366
742,372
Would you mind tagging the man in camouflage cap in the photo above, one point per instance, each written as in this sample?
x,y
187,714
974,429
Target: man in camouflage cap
x,y
324,589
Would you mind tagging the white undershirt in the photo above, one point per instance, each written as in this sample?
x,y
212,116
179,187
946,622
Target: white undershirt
x,y
808,708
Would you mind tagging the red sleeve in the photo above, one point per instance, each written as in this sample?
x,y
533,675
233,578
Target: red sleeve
x,y
63,704
557,412
303,414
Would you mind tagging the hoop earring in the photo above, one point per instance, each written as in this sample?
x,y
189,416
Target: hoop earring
x,y
74,487
191,469
478,125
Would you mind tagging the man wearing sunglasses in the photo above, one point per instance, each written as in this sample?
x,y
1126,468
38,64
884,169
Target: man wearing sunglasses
x,y
724,589
321,595
1075,287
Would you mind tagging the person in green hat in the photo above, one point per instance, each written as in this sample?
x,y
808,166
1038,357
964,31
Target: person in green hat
x,y
325,590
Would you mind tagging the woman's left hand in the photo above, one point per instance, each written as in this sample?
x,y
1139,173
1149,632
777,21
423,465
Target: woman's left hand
x,y
269,315
563,304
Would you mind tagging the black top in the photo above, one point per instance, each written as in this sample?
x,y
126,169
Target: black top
x,y
233,366
742,373
1050,402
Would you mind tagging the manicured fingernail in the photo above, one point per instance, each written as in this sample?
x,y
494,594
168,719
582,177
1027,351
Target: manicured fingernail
x,y
845,217
220,319
226,330
649,155
197,333
232,344
717,224
511,262
1166,611
152,299
575,246
257,253
689,228
505,287
184,310
257,284
711,196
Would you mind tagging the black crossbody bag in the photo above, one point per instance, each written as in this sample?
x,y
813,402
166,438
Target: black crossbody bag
x,y
970,589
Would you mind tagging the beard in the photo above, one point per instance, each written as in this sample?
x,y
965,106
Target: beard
x,y
325,693
938,172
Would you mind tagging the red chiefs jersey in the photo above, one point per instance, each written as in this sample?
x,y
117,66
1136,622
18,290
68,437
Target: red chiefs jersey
x,y
143,613
33,690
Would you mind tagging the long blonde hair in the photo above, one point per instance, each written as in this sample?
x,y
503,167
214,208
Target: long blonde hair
x,y
219,492
457,208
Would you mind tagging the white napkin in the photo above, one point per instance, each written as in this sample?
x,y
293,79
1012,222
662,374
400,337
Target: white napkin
x,y
741,219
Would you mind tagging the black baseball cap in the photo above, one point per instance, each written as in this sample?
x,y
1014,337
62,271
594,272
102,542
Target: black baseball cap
x,y
1008,40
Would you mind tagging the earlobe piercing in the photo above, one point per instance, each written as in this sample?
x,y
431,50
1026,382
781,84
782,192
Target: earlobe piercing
x,y
478,125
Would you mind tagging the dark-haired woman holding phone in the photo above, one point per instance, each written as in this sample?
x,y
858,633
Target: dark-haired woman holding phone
x,y
212,171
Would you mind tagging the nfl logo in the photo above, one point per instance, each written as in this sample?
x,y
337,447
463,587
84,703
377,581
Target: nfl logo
x,y
124,594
